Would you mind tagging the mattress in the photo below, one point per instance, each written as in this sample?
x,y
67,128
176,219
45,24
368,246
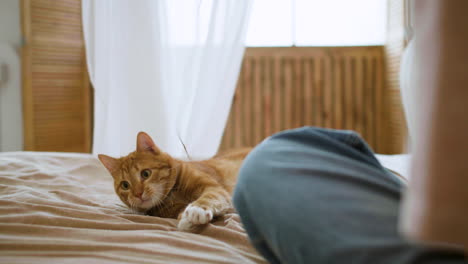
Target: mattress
x,y
61,208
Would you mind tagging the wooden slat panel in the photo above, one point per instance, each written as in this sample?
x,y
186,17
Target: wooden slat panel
x,y
358,90
335,87
380,105
297,93
327,112
318,92
247,106
368,99
308,86
277,118
287,94
55,22
267,98
299,87
238,109
348,93
56,92
259,75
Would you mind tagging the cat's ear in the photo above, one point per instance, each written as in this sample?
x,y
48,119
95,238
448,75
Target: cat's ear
x,y
145,143
110,163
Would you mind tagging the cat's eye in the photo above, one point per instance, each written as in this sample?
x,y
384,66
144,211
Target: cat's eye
x,y
125,185
145,173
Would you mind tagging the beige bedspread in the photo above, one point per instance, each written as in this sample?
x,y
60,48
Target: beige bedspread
x,y
61,208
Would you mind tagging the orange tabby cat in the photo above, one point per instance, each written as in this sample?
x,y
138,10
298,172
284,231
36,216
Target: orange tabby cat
x,y
149,180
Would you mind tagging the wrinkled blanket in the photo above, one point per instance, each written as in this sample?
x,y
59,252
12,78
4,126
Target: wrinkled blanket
x,y
61,208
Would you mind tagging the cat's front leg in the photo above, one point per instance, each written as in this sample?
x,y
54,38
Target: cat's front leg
x,y
212,202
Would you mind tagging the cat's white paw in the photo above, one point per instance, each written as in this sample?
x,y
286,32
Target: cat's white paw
x,y
194,216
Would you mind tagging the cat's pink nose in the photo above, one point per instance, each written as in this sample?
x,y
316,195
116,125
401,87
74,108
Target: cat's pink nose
x,y
139,194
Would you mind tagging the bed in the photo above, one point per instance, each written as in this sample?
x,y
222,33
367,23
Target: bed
x,y
61,208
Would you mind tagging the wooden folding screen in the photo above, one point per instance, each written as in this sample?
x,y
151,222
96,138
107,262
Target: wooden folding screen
x,y
333,87
56,92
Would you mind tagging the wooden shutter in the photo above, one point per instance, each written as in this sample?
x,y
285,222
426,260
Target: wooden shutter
x,y
290,87
56,90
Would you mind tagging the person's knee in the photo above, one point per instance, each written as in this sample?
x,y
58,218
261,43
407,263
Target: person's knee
x,y
322,143
258,164
317,137
254,172
281,153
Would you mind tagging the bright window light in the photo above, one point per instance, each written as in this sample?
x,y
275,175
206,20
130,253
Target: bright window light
x,y
270,23
317,23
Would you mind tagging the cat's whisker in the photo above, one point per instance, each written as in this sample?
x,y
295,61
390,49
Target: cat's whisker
x,y
156,202
132,204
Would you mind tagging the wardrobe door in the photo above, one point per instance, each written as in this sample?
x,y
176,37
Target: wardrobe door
x,y
56,90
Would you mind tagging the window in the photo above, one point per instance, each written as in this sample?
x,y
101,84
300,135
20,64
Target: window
x,y
317,23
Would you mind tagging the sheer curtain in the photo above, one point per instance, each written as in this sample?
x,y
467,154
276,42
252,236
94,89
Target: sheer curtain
x,y
168,68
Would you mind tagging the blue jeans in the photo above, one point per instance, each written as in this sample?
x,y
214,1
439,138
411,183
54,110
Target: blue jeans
x,y
314,195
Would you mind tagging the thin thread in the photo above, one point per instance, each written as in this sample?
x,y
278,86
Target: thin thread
x,y
185,148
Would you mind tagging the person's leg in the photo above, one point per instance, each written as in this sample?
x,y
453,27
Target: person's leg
x,y
313,195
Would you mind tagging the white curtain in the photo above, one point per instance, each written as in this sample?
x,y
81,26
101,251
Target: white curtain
x,y
166,67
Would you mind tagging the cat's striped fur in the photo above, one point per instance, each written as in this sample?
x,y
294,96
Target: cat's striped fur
x,y
194,191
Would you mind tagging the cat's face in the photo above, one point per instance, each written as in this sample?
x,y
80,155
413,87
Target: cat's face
x,y
143,178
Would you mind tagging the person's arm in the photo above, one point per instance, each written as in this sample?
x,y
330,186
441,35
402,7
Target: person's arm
x,y
436,204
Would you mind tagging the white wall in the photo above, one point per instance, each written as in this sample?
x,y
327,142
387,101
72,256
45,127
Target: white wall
x,y
11,124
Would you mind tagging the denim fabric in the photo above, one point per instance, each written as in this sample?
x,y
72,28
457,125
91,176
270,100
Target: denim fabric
x,y
314,195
